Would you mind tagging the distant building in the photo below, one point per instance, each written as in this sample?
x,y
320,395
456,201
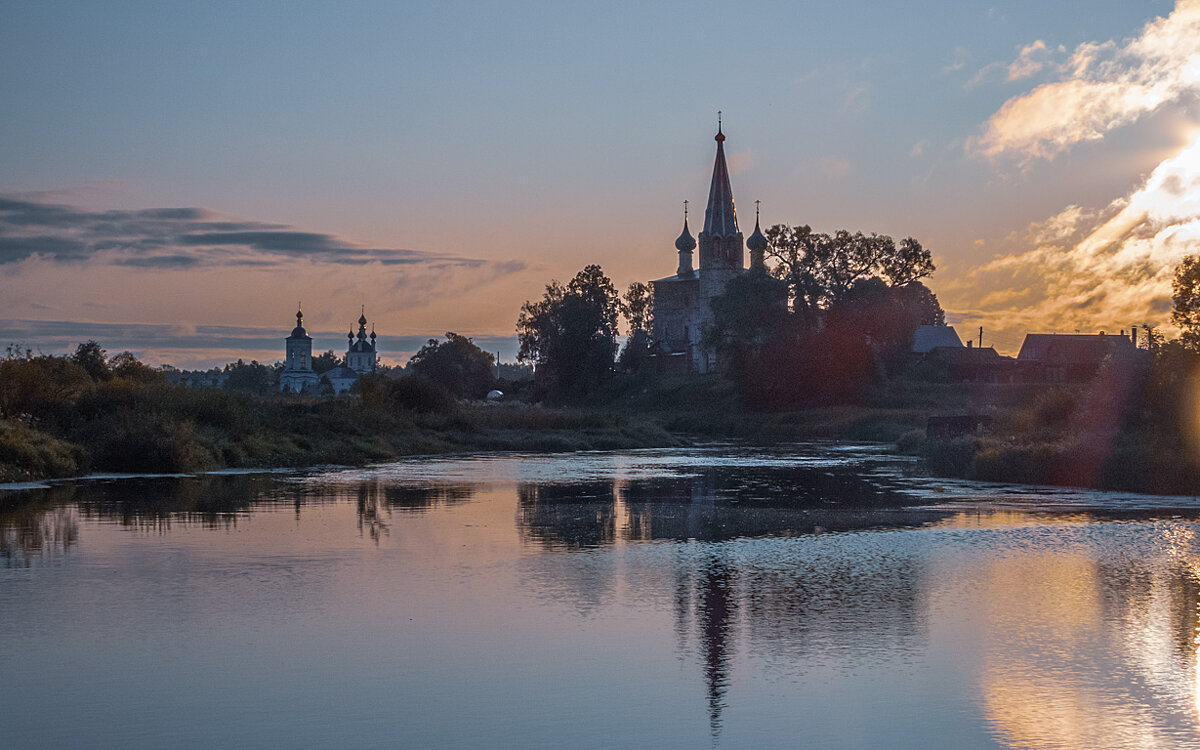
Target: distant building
x,y
682,301
298,375
360,354
340,379
928,337
1068,358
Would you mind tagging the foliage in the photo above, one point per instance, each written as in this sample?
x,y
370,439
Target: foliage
x,y
820,268
457,364
1186,295
127,366
326,361
637,307
252,378
90,357
855,303
571,334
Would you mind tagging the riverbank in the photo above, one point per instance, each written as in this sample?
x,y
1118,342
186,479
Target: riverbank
x,y
140,427
1079,435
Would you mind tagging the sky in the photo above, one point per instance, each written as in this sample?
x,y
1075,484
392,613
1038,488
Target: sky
x,y
176,177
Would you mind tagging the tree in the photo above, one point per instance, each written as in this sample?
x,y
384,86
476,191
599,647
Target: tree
x,y
127,366
90,356
637,306
1185,291
456,364
571,333
325,362
855,301
820,268
749,317
251,378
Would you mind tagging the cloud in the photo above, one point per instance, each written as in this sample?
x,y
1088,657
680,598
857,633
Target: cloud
x,y
178,238
1030,61
1103,86
1090,269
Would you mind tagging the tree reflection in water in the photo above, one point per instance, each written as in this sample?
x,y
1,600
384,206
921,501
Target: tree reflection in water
x,y
783,606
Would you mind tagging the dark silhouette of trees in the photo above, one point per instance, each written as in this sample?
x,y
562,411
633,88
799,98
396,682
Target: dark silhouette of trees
x,y
855,301
820,268
326,361
90,356
571,334
457,364
253,378
637,307
1185,291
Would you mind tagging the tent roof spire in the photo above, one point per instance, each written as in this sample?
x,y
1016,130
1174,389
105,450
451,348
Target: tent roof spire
x,y
720,218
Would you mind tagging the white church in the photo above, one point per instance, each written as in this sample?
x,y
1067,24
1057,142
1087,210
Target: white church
x,y
298,375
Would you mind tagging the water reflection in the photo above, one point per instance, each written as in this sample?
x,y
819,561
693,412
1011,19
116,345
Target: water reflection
x,y
31,530
789,596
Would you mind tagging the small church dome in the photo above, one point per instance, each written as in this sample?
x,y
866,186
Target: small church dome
x,y
756,241
686,243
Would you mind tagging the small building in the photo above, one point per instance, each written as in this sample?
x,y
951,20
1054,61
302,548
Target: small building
x,y
1072,358
297,375
341,379
968,364
927,338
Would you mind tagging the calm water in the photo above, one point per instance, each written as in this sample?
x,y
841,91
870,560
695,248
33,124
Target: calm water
x,y
718,597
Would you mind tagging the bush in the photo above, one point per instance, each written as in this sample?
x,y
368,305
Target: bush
x,y
416,394
27,453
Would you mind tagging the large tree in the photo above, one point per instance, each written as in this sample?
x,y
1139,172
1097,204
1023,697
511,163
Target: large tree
x,y
821,268
457,364
855,300
1186,294
571,333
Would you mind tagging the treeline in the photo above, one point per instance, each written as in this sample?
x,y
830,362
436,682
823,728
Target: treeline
x,y
86,412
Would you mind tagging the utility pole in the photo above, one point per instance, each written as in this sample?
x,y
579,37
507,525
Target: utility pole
x,y
980,337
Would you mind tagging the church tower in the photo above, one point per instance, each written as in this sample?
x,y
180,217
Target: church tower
x,y
722,254
297,375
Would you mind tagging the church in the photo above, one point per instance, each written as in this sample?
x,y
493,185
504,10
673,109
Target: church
x,y
681,301
298,375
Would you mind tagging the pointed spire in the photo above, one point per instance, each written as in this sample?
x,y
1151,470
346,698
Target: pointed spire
x,y
720,218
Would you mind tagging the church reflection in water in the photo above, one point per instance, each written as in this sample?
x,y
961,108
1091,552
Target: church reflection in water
x,y
1071,632
776,606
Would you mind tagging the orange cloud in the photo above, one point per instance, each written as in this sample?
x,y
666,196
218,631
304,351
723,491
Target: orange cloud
x,y
1104,86
1093,269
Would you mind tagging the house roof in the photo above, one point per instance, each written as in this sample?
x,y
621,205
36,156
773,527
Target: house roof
x,y
1074,349
966,355
927,338
340,372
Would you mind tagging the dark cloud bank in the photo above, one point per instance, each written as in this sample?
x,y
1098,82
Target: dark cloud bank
x,y
180,238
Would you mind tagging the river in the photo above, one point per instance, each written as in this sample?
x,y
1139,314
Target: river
x,y
818,596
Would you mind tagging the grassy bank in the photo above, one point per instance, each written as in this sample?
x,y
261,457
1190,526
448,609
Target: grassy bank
x,y
136,426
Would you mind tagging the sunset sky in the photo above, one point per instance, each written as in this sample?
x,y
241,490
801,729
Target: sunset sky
x,y
175,177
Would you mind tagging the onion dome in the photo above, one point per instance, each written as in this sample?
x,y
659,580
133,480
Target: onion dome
x,y
362,320
298,331
686,243
756,241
